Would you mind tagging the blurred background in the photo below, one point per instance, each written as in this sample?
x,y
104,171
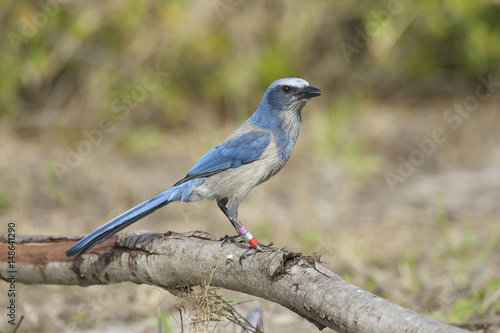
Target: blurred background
x,y
395,179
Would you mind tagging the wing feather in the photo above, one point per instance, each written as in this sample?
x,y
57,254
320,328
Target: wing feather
x,y
233,153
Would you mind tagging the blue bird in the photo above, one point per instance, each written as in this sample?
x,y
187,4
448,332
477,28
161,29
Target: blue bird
x,y
255,152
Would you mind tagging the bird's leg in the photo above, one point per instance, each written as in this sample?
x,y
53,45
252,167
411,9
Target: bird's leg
x,y
244,234
234,221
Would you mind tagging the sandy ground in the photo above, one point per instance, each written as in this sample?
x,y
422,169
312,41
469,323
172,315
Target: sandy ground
x,y
426,243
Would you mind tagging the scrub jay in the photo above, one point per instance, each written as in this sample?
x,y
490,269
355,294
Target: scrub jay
x,y
255,152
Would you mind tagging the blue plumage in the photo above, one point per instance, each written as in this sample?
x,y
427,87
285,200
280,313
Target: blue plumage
x,y
230,154
255,152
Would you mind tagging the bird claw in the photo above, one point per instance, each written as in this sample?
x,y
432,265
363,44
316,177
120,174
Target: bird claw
x,y
257,248
233,239
250,251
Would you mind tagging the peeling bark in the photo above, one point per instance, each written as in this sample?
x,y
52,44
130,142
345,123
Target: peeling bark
x,y
175,261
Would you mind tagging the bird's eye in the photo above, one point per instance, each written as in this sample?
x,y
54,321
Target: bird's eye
x,y
286,89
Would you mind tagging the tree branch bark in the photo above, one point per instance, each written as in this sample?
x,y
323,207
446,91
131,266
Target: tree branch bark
x,y
299,283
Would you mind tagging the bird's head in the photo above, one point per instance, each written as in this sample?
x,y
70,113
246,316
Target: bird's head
x,y
280,110
290,94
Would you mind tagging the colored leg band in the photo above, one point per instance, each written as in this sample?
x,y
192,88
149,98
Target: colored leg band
x,y
248,236
243,230
253,242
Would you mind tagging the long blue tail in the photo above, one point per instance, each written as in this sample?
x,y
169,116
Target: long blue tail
x,y
97,236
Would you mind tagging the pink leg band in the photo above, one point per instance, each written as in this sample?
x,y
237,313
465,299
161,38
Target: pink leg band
x,y
248,236
243,230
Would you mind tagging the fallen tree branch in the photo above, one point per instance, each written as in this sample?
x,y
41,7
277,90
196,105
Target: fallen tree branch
x,y
175,261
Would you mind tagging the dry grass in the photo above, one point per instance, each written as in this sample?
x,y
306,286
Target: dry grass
x,y
203,309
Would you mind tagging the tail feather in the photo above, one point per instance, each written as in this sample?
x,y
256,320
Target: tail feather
x,y
120,222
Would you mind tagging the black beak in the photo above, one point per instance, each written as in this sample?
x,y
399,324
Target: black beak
x,y
309,92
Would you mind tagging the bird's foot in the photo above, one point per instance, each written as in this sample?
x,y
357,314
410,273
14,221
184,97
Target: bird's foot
x,y
249,251
233,239
257,248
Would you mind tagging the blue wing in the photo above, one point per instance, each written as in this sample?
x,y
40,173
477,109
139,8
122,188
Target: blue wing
x,y
246,148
